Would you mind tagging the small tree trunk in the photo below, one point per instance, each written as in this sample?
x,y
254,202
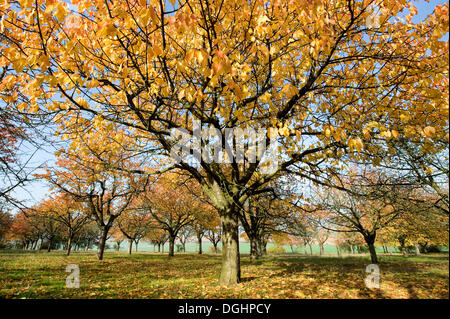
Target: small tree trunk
x,y
351,249
215,247
199,239
159,247
310,249
69,245
136,245
321,249
231,270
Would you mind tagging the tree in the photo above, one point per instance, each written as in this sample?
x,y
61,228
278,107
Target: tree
x,y
370,204
135,223
106,193
183,235
71,214
214,236
325,82
6,220
421,224
172,206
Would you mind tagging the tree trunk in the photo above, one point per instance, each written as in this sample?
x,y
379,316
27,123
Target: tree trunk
x,y
184,247
87,244
321,249
416,246
215,247
159,247
50,242
136,245
231,269
199,239
310,249
171,245
351,249
102,243
130,246
370,240
69,245
254,254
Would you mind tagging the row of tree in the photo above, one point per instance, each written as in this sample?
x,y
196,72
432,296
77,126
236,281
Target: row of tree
x,y
329,86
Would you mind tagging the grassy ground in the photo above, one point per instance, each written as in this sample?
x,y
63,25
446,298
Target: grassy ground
x,y
150,275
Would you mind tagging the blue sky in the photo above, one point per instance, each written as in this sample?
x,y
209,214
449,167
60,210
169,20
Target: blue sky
x,y
34,192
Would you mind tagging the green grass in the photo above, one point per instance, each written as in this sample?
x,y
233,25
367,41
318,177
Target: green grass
x,y
151,275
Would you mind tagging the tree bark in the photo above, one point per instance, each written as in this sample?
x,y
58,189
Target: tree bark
x,y
130,246
69,245
50,242
102,243
171,245
231,270
199,239
254,254
370,240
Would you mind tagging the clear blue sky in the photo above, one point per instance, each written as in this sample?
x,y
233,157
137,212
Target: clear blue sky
x,y
34,192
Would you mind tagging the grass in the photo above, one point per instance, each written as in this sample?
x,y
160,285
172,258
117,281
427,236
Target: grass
x,y
151,275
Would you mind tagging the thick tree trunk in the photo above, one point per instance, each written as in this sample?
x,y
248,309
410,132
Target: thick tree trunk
x,y
370,240
310,249
171,245
130,246
136,245
215,247
159,247
102,243
184,247
373,253
321,249
231,269
351,249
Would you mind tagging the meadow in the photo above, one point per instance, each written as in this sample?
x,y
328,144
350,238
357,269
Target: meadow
x,y
38,274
